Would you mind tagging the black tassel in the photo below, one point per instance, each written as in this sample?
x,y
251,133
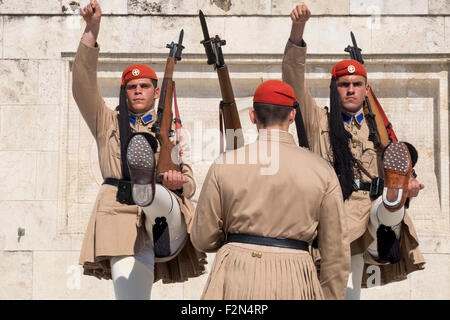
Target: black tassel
x,y
301,131
388,245
124,131
339,140
161,237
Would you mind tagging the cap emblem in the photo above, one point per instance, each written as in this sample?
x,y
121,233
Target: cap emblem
x,y
135,72
351,68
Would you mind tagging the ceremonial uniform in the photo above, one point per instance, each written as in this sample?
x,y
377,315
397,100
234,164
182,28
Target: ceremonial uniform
x,y
367,166
116,229
299,200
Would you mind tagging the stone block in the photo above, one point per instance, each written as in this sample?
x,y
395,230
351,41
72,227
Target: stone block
x,y
262,35
18,175
16,275
409,35
19,79
47,176
38,218
191,7
432,282
439,7
447,32
40,37
128,34
49,82
318,7
39,129
235,7
328,35
192,33
161,7
1,37
67,280
383,7
30,7
109,7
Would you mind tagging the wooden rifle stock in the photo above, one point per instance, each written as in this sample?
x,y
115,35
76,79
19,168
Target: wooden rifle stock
x,y
166,156
374,105
229,111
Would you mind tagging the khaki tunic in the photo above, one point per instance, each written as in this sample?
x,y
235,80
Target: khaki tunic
x,y
116,229
301,200
368,166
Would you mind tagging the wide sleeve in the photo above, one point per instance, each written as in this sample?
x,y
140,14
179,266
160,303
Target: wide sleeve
x,y
333,242
85,90
293,73
207,233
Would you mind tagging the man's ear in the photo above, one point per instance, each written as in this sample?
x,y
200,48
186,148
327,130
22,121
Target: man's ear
x,y
367,88
157,93
292,115
252,115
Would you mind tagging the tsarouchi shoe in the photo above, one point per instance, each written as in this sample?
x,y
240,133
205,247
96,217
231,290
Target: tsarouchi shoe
x,y
142,165
397,166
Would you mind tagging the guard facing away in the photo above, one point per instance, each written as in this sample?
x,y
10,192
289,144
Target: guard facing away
x,y
134,245
376,182
261,207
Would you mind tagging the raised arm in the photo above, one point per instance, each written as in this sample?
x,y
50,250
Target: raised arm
x,y
84,74
293,73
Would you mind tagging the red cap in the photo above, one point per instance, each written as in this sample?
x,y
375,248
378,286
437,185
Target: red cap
x,y
137,71
348,67
275,92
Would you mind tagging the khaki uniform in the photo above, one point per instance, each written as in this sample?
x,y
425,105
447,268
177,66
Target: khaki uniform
x,y
368,166
301,200
116,229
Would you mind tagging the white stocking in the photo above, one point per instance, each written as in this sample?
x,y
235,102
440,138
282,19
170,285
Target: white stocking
x,y
132,279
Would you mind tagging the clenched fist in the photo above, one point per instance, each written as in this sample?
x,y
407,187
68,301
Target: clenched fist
x,y
92,13
300,14
174,180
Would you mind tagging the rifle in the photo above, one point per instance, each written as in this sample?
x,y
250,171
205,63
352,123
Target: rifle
x,y
381,131
228,114
169,158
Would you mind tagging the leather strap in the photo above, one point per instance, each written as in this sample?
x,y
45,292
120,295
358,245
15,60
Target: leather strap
x,y
267,241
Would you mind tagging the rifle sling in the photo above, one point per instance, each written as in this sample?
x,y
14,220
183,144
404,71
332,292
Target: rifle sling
x,y
221,124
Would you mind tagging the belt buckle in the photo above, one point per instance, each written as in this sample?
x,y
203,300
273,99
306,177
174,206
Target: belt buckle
x,y
376,185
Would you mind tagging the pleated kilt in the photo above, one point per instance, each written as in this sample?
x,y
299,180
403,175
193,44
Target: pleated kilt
x,y
253,272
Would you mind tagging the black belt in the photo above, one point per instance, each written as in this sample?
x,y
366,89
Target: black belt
x,y
123,194
375,187
111,181
267,241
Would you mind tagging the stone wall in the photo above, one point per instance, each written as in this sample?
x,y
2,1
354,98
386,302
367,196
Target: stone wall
x,y
49,167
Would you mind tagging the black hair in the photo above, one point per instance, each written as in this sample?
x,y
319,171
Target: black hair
x,y
271,114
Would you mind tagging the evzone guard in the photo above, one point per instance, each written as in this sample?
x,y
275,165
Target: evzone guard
x,y
380,229
137,233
